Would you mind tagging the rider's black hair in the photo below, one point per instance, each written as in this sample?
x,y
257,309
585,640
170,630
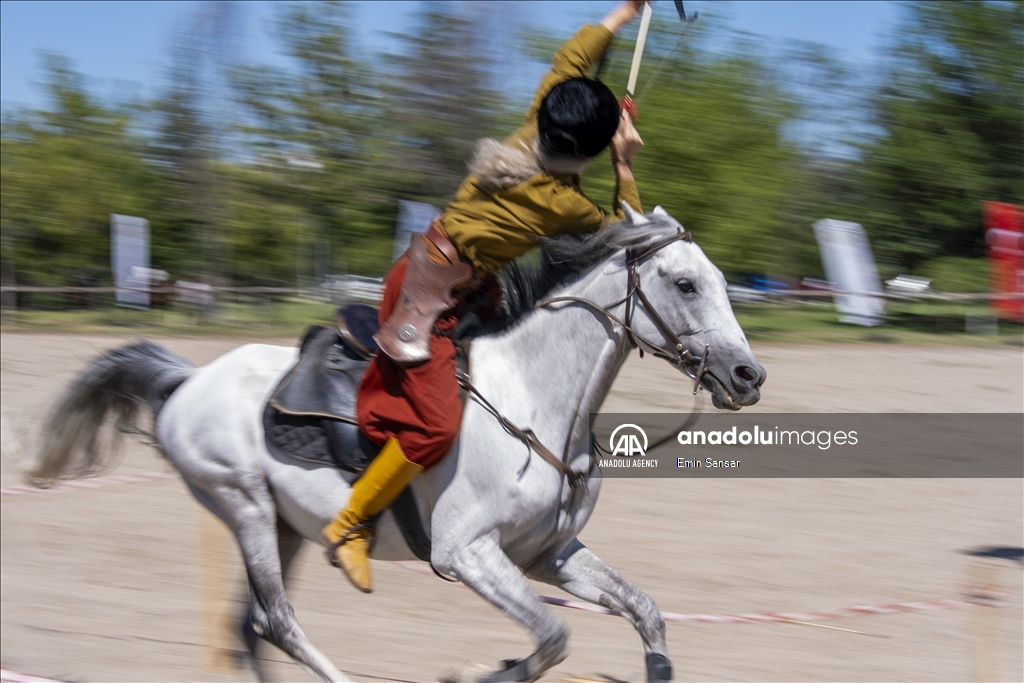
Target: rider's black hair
x,y
578,118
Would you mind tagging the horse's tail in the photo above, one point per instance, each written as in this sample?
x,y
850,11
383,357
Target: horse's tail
x,y
117,384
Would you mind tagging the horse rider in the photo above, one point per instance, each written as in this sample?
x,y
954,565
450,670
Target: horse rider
x,y
518,192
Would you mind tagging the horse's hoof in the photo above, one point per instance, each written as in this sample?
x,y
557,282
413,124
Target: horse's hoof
x,y
659,668
467,673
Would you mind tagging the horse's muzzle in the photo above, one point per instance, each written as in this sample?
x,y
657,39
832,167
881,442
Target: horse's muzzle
x,y
746,381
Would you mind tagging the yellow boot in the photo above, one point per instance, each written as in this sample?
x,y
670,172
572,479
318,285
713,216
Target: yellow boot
x,y
348,536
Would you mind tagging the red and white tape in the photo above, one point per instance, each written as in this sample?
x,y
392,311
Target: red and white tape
x,y
783,617
94,483
757,617
18,677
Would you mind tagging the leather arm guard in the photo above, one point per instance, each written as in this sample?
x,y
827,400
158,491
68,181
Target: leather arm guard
x,y
426,294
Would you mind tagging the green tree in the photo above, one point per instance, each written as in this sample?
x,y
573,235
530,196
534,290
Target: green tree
x,y
64,171
715,155
315,138
439,100
951,121
189,144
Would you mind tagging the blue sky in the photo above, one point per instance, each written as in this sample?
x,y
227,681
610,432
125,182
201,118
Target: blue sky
x,y
123,47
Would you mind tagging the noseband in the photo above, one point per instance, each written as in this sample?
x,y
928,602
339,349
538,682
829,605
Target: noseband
x,y
677,354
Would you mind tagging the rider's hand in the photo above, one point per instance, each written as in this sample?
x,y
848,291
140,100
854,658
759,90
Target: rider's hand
x,y
626,142
621,15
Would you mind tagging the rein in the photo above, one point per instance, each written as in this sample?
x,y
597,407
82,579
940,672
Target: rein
x,y
678,355
526,435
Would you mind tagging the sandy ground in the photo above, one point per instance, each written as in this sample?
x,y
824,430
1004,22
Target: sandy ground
x,y
107,584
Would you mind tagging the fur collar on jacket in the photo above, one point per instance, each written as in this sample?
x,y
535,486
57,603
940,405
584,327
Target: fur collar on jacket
x,y
500,167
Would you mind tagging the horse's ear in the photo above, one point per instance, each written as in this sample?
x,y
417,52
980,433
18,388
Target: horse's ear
x,y
658,211
635,218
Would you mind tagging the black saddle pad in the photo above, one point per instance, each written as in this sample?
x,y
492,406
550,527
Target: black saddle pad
x,y
318,440
311,414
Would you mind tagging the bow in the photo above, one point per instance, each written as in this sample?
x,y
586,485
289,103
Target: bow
x,y
628,104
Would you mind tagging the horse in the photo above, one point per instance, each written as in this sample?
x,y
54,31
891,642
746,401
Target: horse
x,y
494,512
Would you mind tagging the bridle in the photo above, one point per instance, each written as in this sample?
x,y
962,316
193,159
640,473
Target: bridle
x,y
676,352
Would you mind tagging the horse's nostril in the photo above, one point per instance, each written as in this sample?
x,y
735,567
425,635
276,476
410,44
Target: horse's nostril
x,y
745,373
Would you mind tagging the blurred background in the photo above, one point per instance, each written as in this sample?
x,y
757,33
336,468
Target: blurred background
x,y
204,173
269,146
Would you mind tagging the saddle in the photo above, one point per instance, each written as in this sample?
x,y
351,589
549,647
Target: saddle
x,y
311,414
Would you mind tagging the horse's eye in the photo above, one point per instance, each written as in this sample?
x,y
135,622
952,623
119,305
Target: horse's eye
x,y
685,286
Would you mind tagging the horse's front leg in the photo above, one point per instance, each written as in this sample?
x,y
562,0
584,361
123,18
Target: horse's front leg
x,y
483,566
580,572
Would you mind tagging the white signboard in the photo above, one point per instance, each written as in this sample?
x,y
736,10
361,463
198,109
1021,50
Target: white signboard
x,y
412,217
850,267
129,259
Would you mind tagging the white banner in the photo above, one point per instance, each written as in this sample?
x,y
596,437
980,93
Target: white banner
x,y
129,259
850,267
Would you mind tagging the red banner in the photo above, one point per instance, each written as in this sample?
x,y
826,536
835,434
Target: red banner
x,y
1004,235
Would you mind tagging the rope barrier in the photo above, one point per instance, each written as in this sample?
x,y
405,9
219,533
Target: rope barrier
x,y
760,617
17,677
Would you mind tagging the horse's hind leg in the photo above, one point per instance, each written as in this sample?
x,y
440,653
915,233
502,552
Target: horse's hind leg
x,y
251,515
580,572
289,542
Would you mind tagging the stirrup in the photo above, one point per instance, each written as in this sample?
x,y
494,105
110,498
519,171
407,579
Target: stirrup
x,y
332,547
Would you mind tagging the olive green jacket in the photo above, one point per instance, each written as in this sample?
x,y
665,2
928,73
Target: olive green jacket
x,y
514,194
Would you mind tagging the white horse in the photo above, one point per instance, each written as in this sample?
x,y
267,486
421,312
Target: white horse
x,y
495,512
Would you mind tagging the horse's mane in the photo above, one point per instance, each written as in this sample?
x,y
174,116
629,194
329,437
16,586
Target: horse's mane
x,y
567,258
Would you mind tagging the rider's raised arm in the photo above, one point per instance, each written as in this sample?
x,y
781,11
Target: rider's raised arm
x,y
581,52
626,191
572,60
622,14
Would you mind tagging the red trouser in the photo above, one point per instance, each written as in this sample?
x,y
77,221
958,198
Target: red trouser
x,y
419,405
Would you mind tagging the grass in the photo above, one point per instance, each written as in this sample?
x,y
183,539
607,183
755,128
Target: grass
x,y
779,322
911,322
270,318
